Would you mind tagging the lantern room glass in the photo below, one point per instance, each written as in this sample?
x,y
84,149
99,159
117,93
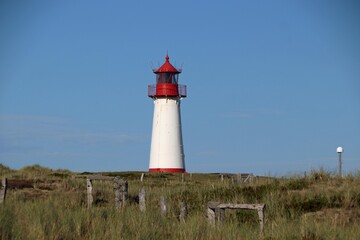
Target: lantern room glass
x,y
167,78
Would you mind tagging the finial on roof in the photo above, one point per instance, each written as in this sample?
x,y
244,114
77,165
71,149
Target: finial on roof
x,y
167,56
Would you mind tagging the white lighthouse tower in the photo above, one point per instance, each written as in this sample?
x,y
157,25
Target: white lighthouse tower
x,y
167,151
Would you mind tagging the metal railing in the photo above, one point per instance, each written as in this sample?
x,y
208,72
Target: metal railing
x,y
167,90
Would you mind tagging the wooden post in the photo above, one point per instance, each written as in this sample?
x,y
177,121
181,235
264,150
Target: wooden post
x,y
211,215
35,183
220,214
142,177
3,190
261,218
90,198
238,178
183,212
121,192
182,177
163,208
190,176
222,177
142,200
247,178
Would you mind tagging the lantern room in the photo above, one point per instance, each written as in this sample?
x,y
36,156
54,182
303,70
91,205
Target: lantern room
x,y
167,77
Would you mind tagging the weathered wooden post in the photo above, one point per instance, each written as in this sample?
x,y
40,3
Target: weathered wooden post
x,y
183,212
142,200
121,192
222,177
238,178
211,206
220,214
90,197
261,218
3,190
211,216
35,183
182,177
163,207
142,177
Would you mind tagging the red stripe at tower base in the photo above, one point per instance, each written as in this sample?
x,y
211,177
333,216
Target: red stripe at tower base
x,y
169,170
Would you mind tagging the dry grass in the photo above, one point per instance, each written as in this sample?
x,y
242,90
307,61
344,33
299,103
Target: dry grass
x,y
320,206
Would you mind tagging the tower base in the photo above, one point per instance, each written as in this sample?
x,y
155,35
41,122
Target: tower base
x,y
168,170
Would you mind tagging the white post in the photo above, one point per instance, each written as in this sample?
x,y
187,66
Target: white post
x,y
340,165
339,150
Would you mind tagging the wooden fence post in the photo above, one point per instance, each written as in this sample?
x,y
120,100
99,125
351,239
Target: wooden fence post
x,y
222,177
142,200
238,178
163,208
211,215
90,197
220,214
3,190
142,177
182,177
261,218
183,212
121,192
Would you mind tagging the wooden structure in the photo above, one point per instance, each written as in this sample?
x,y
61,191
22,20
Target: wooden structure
x,y
7,184
142,204
183,212
244,177
89,186
120,188
121,192
89,189
163,207
216,211
3,190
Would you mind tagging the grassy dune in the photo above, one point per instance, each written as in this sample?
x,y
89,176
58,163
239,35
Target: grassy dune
x,y
320,206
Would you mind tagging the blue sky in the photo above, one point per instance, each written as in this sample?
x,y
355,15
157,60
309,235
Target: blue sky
x,y
273,86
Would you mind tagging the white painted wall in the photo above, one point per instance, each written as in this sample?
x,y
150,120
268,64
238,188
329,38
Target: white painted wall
x,y
166,143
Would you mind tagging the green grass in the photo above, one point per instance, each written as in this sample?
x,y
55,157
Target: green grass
x,y
320,206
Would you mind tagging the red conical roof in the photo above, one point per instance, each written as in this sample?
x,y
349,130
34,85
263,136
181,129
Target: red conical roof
x,y
167,67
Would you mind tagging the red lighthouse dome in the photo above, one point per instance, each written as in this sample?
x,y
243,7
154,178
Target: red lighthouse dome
x,y
167,67
167,77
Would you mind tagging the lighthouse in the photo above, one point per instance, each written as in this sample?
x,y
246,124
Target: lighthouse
x,y
167,150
